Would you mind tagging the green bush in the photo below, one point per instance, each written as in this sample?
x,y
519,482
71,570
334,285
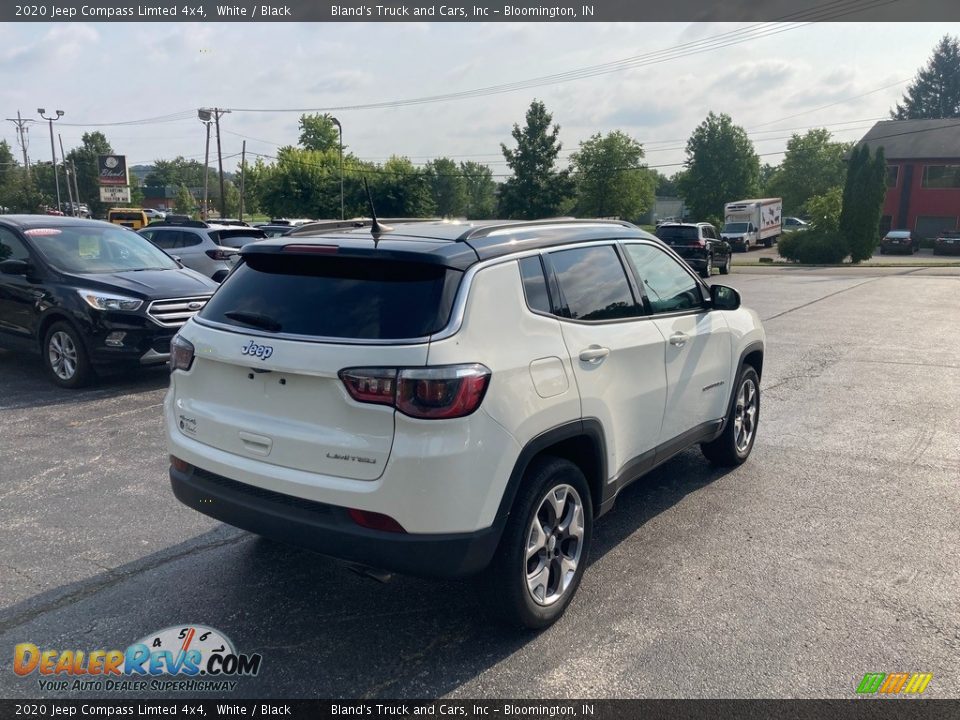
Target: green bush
x,y
812,247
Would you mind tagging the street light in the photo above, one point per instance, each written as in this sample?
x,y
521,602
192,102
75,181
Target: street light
x,y
53,152
206,117
340,128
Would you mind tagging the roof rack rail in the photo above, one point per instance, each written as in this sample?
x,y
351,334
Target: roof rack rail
x,y
487,230
326,226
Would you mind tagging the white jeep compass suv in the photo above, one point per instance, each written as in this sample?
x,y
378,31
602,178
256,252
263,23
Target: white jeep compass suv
x,y
447,399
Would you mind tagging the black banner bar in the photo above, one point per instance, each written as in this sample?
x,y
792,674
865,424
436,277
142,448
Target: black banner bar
x,y
203,11
857,709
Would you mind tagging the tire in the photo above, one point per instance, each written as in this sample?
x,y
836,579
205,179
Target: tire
x,y
768,243
735,443
65,356
725,268
708,270
514,588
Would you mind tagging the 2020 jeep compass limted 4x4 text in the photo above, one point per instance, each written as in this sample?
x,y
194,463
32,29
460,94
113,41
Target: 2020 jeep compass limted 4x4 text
x,y
450,399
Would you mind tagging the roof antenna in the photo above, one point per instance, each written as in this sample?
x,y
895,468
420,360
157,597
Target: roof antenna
x,y
375,227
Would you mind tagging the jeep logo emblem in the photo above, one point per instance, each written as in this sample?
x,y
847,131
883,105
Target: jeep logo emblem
x,y
260,351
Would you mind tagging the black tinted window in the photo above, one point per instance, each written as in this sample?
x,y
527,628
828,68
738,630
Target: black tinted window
x,y
11,248
593,284
189,239
164,239
677,233
534,284
668,287
337,297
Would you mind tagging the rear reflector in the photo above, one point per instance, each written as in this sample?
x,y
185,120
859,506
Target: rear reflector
x,y
375,521
180,465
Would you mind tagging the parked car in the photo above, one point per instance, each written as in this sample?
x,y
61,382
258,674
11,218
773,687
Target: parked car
x,y
357,398
209,249
274,230
154,214
794,224
133,218
947,243
230,221
699,245
89,296
898,241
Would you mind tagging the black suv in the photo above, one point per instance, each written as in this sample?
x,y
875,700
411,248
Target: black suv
x,y
699,245
89,295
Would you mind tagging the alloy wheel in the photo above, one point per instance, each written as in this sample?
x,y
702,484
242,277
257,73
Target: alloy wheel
x,y
745,415
62,354
554,545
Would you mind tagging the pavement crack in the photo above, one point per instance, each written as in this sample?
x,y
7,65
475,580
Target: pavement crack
x,y
825,297
110,578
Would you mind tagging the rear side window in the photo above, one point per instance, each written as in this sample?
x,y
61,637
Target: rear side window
x,y
164,239
593,284
535,284
349,298
189,239
681,233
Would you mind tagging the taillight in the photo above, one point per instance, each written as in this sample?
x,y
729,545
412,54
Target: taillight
x,y
221,254
181,354
437,393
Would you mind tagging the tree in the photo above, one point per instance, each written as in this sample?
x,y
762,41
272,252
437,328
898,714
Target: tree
x,y
84,158
179,171
824,210
767,171
537,189
8,165
480,188
665,186
184,202
400,189
721,166
318,132
863,195
935,92
811,166
610,177
448,187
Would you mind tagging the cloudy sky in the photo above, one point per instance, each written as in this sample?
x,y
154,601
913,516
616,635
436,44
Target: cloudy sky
x,y
821,74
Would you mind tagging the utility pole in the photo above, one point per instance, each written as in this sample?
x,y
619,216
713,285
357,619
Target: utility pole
x,y
340,128
66,172
243,176
22,136
204,114
53,152
217,112
76,188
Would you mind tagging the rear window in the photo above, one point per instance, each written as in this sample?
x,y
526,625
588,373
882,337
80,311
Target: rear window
x,y
237,238
674,234
326,297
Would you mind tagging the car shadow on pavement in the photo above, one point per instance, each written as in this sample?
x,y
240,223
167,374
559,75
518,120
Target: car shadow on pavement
x,y
25,383
322,629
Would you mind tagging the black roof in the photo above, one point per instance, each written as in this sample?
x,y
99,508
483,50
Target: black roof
x,y
36,221
457,244
916,139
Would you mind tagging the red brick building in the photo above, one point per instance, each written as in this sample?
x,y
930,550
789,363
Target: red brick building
x,y
923,174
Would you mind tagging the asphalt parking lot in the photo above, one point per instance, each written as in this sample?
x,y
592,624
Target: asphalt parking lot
x,y
831,553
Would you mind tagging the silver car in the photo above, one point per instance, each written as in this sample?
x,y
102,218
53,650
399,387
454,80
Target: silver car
x,y
209,249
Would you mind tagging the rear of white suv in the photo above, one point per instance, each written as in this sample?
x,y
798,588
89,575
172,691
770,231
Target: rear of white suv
x,y
446,406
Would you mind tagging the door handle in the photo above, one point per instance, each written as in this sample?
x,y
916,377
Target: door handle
x,y
594,354
679,339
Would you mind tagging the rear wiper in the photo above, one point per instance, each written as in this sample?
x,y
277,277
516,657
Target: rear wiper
x,y
254,320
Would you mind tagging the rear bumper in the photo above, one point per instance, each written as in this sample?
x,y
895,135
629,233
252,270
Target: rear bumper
x,y
329,530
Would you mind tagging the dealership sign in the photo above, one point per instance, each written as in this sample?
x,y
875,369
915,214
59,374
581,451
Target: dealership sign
x,y
112,170
115,194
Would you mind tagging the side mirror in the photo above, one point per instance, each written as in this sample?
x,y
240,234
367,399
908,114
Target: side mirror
x,y
14,267
177,259
723,297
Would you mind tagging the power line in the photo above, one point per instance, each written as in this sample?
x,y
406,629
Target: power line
x,y
828,11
